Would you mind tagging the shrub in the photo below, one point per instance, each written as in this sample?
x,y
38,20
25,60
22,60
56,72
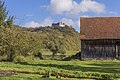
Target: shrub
x,y
19,59
39,55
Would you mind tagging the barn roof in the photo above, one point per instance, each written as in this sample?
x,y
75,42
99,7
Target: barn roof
x,y
100,28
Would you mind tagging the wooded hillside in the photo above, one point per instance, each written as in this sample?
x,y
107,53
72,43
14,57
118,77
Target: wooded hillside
x,y
18,41
21,41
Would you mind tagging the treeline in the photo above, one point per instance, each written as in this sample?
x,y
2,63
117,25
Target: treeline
x,y
16,41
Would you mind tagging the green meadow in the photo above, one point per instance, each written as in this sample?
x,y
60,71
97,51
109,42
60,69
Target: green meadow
x,y
63,70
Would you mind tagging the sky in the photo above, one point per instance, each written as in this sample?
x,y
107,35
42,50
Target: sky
x,y
36,13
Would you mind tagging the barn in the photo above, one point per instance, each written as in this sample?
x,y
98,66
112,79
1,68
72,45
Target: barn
x,y
100,37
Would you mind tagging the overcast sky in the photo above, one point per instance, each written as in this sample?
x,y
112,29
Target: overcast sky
x,y
34,13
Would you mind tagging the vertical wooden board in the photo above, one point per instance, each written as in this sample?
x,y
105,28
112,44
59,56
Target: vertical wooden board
x,y
119,51
97,49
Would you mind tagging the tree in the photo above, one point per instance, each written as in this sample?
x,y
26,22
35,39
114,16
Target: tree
x,y
3,13
62,51
9,22
3,16
8,40
54,48
56,45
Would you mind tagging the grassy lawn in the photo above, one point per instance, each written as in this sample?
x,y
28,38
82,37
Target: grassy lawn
x,y
68,53
75,68
33,77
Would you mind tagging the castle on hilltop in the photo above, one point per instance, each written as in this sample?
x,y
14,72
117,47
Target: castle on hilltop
x,y
59,24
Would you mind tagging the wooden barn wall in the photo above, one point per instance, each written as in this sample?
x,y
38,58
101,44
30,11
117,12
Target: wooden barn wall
x,y
100,49
118,50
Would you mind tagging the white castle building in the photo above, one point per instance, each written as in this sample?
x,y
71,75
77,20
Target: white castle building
x,y
59,24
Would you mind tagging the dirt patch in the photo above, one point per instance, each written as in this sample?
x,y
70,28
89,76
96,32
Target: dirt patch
x,y
58,75
7,73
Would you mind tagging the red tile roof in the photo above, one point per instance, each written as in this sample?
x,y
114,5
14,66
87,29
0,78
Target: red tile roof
x,y
100,28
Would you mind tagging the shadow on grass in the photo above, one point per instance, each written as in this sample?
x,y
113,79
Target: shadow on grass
x,y
76,56
107,64
103,68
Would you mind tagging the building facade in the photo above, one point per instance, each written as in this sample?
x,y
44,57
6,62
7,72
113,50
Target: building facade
x,y
100,38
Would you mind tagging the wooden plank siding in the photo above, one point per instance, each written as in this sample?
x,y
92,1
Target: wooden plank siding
x,y
100,49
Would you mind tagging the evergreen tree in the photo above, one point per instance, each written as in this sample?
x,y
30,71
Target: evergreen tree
x,y
3,13
9,22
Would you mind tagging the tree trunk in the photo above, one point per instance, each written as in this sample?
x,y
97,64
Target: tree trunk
x,y
10,56
53,56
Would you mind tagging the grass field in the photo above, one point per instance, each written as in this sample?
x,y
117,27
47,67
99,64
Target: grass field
x,y
68,53
73,70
